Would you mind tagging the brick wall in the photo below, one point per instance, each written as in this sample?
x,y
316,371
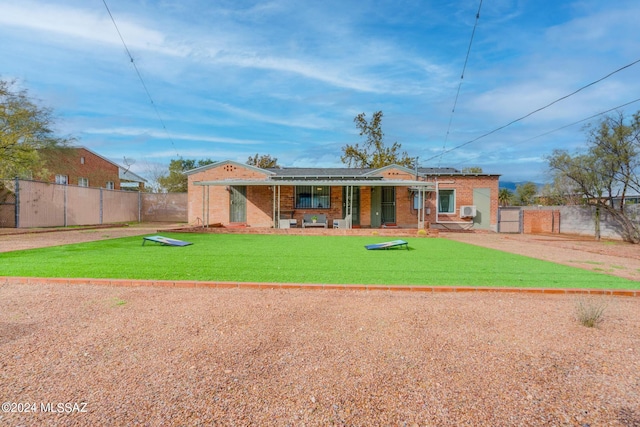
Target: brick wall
x,y
540,221
259,202
68,161
464,186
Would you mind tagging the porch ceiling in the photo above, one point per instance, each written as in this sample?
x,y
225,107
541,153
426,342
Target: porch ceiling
x,y
425,186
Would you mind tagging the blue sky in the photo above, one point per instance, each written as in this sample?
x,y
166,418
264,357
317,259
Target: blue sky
x,y
231,78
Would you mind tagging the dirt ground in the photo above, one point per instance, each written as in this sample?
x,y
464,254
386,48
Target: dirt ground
x,y
612,257
83,355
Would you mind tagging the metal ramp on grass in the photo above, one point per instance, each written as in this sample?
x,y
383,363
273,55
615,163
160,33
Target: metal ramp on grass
x,y
387,245
166,241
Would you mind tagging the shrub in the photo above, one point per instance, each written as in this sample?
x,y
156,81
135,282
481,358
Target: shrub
x,y
590,311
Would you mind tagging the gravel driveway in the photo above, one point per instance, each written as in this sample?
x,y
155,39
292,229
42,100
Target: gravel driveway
x,y
98,355
198,357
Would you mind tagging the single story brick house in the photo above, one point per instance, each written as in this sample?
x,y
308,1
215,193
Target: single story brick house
x,y
232,193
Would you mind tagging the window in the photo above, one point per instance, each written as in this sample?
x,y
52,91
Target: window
x,y
109,185
82,160
446,201
62,179
83,182
312,197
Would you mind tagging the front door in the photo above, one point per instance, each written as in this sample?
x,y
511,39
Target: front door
x,y
355,205
376,207
238,204
388,203
482,202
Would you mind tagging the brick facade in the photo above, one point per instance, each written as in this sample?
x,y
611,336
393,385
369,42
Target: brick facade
x,y
260,199
76,163
464,186
540,221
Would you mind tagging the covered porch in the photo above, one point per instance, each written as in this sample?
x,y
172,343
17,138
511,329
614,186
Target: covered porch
x,y
346,204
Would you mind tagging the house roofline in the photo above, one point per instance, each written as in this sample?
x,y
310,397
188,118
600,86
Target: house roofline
x,y
232,162
369,174
122,172
429,186
392,166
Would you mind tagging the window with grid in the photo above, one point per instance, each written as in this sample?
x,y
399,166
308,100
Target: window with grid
x,y
110,185
313,197
62,179
83,182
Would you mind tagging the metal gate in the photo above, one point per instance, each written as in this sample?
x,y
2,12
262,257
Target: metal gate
x,y
509,220
388,205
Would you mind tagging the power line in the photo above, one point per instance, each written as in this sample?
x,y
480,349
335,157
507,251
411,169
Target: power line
x,y
464,68
564,127
580,121
144,85
536,110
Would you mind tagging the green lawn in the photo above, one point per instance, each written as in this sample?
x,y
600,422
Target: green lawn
x,y
301,259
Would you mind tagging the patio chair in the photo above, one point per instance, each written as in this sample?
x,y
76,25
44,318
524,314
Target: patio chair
x,y
342,223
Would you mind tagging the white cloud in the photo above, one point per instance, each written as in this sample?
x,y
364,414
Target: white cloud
x,y
84,25
164,135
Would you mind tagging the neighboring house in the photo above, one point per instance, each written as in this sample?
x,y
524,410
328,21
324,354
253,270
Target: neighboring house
x,y
229,192
83,167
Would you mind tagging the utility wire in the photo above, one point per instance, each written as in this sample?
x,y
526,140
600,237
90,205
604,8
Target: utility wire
x,y
580,121
144,85
558,129
535,111
464,68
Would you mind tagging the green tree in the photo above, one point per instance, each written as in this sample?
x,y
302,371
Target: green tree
x,y
526,193
505,196
560,192
24,129
373,153
263,161
176,181
472,169
607,170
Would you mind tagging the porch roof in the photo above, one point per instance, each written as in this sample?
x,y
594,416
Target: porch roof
x,y
424,186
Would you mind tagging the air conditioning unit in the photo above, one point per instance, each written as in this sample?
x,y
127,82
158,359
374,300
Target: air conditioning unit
x,y
467,211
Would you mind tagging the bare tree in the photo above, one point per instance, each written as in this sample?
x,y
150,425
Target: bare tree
x,y
607,170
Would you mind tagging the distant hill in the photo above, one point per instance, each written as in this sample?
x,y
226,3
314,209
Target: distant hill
x,y
511,185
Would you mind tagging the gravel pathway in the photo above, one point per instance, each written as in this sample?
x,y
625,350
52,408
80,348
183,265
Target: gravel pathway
x,y
199,357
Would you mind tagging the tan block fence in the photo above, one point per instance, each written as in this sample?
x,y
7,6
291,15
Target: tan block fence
x,y
27,204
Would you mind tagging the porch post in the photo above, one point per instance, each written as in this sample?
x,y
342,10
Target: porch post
x,y
422,193
348,204
208,207
203,206
350,220
276,206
